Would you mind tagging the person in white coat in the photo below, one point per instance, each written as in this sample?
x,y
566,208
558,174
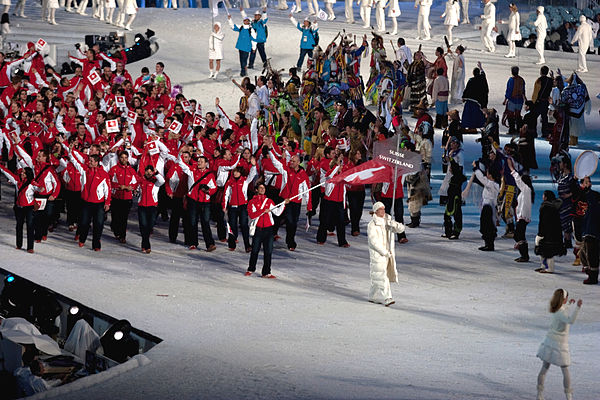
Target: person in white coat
x,y
541,26
394,12
382,254
215,50
555,347
465,11
585,40
514,34
365,12
380,15
488,22
452,14
423,26
457,86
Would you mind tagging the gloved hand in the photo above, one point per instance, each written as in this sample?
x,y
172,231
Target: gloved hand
x,y
390,255
538,240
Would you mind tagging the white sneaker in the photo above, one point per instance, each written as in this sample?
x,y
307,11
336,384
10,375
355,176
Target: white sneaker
x,y
389,302
53,22
298,10
23,15
69,10
128,28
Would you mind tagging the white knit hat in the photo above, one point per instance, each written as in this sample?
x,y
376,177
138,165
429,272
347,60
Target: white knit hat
x,y
377,206
541,9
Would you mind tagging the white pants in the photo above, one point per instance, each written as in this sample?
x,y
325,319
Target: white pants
x,y
109,15
173,4
394,25
120,13
380,16
349,11
44,10
313,6
329,9
539,46
281,5
449,33
465,10
20,9
365,15
512,48
486,37
581,58
423,26
298,5
83,5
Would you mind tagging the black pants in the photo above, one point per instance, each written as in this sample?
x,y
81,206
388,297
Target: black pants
x,y
73,205
398,212
119,215
487,225
590,252
332,214
163,203
243,62
91,213
238,216
262,237
146,218
541,110
260,47
292,214
520,231
356,202
303,53
453,209
273,193
315,200
195,211
177,213
24,215
41,220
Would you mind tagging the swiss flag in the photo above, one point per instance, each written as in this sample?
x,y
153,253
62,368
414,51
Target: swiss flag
x,y
368,172
112,126
152,148
93,77
199,108
40,44
198,120
187,106
120,101
132,117
175,126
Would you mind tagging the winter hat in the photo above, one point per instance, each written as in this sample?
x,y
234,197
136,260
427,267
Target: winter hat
x,y
257,12
582,18
377,206
540,9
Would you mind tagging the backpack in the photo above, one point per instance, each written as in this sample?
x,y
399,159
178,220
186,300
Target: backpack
x,y
266,31
315,35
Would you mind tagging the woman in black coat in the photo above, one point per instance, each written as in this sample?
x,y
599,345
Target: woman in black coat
x,y
549,240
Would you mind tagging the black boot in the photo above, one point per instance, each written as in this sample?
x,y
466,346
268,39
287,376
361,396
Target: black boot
x,y
524,251
414,221
510,231
592,277
489,246
438,122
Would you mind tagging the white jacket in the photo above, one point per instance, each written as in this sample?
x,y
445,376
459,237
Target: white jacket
x,y
585,37
541,26
514,21
555,347
452,13
489,15
381,250
524,198
491,190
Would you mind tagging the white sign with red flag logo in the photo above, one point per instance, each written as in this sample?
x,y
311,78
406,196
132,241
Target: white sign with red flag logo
x,y
387,152
153,148
175,126
199,108
187,106
112,126
120,101
93,77
199,121
131,116
40,44
368,172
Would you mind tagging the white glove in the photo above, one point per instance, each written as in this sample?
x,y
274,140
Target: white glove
x,y
538,239
390,255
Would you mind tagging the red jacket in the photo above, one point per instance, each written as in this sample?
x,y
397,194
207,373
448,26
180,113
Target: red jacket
x,y
335,191
293,183
177,182
149,190
202,177
95,183
388,188
71,178
25,194
47,181
259,204
236,190
123,175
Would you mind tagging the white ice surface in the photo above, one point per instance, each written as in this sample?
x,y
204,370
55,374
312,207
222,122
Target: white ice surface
x,y
466,325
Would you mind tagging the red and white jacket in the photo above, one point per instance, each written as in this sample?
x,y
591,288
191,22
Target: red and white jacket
x,y
293,183
388,187
149,190
177,182
25,195
260,204
205,176
236,190
335,191
123,175
47,181
95,182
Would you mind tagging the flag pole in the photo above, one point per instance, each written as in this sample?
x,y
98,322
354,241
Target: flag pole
x,y
293,197
391,238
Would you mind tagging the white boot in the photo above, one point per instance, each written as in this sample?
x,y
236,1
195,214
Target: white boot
x,y
211,74
569,393
215,74
540,392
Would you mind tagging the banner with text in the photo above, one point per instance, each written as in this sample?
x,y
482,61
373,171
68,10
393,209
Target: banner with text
x,y
386,152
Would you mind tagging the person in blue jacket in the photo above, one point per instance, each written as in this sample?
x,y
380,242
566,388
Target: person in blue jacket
x,y
259,25
308,41
244,42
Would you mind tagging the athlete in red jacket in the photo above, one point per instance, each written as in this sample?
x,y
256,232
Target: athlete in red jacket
x,y
150,183
333,206
124,180
176,188
235,203
261,209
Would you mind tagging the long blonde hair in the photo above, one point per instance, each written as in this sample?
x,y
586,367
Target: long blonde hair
x,y
558,299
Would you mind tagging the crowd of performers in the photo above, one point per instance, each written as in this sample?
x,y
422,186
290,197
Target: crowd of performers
x,y
94,144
